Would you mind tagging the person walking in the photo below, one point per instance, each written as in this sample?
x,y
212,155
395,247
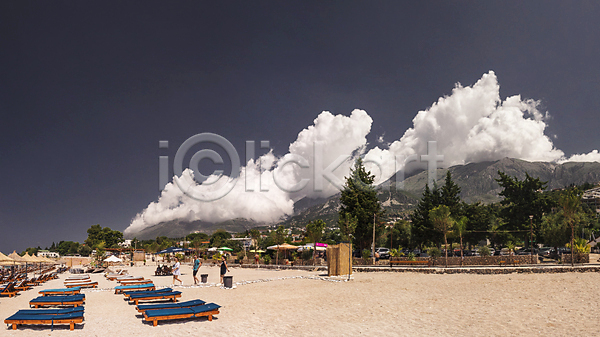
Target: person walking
x,y
177,272
224,268
197,265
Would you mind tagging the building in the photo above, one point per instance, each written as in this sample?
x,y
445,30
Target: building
x,y
125,244
591,198
46,253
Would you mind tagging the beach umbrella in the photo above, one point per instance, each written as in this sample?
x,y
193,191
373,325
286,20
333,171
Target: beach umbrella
x,y
226,249
173,250
284,247
256,251
5,260
112,258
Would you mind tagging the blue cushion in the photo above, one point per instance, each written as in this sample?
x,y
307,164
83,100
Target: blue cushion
x,y
170,305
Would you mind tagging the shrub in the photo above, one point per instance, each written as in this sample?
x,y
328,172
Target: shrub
x,y
411,256
307,254
484,251
434,252
366,254
267,259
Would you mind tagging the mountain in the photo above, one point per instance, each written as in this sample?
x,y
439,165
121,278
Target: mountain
x,y
476,180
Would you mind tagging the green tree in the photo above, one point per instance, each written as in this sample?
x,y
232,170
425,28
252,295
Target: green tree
x,y
314,232
97,234
460,226
218,238
404,231
359,199
279,235
450,195
440,216
523,198
423,232
255,235
570,204
347,224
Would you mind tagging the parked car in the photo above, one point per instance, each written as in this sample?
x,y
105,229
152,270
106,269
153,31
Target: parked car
x,y
527,251
384,253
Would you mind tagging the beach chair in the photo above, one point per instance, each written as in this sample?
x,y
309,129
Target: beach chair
x,y
61,311
147,292
9,290
45,319
62,291
136,298
132,282
135,288
89,284
208,310
65,300
22,285
129,278
158,306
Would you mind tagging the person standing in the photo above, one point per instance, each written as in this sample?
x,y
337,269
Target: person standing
x,y
197,265
224,268
177,272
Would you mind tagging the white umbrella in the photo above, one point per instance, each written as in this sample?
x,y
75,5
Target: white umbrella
x,y
112,258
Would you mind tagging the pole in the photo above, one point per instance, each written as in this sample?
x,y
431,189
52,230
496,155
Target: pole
x,y
373,246
531,238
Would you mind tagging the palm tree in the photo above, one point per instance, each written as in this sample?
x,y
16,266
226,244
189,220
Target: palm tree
x,y
570,204
440,216
460,226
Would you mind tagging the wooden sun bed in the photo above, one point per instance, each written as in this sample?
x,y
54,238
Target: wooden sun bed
x,y
82,285
70,300
208,310
63,291
173,295
129,278
159,306
71,319
9,290
135,288
128,293
132,282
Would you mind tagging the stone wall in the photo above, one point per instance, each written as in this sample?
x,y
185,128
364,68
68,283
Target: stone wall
x,y
566,258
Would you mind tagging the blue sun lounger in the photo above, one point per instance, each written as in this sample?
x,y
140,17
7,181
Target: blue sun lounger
x,y
163,290
158,306
173,295
208,310
61,291
62,311
134,288
72,300
70,318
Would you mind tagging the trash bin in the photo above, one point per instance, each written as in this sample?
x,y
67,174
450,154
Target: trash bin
x,y
228,281
204,278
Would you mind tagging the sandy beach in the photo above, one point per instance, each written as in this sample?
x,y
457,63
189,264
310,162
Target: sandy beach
x,y
302,303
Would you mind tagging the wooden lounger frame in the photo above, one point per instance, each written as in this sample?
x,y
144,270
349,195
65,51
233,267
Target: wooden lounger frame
x,y
128,283
155,297
120,291
62,292
83,285
70,321
155,320
42,304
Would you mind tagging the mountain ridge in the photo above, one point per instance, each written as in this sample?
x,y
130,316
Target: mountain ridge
x,y
477,182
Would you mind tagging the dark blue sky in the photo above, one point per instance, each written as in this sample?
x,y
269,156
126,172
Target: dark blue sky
x,y
87,89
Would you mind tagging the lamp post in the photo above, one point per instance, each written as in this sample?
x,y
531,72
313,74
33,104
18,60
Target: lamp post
x,y
531,238
373,246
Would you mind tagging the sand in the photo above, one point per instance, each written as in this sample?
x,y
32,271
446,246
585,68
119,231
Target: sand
x,y
302,303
